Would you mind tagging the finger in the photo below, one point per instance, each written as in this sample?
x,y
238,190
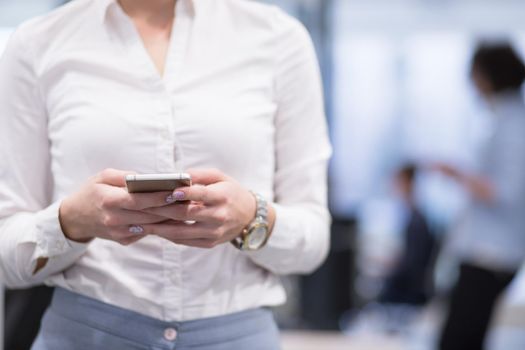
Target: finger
x,y
132,217
123,217
120,198
125,233
132,239
187,212
199,193
180,231
206,176
140,201
113,177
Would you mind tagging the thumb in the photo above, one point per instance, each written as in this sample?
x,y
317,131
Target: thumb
x,y
206,176
113,177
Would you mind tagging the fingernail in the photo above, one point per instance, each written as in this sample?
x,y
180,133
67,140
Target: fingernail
x,y
179,195
170,199
136,229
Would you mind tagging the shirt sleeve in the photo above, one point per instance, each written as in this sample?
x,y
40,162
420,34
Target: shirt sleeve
x,y
29,225
509,170
300,239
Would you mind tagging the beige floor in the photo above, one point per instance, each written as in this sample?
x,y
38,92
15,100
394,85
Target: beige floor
x,y
336,341
509,332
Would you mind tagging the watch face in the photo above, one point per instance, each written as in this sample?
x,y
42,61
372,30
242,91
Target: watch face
x,y
257,236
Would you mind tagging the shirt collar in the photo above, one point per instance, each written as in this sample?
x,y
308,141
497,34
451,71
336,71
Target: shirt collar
x,y
105,5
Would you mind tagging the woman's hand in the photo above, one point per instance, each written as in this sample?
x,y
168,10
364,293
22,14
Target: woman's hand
x,y
479,187
447,170
219,205
103,208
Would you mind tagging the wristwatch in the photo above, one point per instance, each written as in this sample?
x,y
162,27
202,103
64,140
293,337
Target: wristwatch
x,y
256,234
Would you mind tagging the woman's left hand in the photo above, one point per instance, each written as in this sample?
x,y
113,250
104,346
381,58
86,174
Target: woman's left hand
x,y
220,207
478,186
447,170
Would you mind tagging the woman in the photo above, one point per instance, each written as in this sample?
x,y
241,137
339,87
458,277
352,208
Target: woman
x,y
99,89
491,237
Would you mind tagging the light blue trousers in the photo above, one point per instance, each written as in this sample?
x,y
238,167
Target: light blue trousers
x,y
76,322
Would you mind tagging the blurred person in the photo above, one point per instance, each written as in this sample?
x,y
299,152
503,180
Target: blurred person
x,y
491,235
225,88
408,283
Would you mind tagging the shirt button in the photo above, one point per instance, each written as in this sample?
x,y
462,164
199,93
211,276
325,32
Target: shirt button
x,y
170,334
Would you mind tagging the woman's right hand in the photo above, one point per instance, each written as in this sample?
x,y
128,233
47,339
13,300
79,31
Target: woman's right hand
x,y
103,208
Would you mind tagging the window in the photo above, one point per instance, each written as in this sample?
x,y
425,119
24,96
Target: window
x,y
401,91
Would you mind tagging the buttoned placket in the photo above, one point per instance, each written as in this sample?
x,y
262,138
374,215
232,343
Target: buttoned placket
x,y
169,152
172,253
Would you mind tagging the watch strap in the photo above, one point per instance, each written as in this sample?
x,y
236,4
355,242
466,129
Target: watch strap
x,y
261,216
262,208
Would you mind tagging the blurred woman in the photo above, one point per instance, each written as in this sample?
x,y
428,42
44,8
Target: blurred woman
x,y
491,235
99,89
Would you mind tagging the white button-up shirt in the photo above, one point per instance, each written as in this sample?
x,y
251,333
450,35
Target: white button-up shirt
x,y
241,92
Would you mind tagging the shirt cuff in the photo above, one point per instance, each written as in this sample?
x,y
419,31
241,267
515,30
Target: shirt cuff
x,y
50,240
282,237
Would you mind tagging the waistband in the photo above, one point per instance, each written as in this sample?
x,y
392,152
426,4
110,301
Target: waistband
x,y
149,331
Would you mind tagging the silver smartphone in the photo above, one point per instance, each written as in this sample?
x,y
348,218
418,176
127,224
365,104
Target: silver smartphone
x,y
142,183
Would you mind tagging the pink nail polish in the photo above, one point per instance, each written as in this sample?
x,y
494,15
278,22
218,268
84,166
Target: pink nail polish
x,y
171,199
136,230
179,195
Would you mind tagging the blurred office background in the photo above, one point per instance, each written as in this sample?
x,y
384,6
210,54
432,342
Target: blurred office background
x,y
397,89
